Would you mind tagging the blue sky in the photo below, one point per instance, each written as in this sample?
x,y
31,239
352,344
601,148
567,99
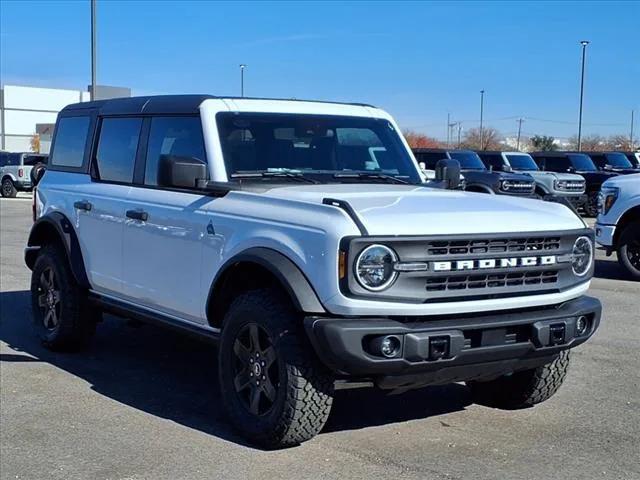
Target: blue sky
x,y
419,61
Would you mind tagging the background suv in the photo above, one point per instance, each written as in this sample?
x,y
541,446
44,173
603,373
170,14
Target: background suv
x,y
476,175
569,162
15,171
569,186
612,162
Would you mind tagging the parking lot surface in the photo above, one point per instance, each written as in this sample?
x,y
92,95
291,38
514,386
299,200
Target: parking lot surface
x,y
143,403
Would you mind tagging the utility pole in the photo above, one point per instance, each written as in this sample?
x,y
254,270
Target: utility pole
x,y
631,133
584,44
92,94
242,67
448,128
520,120
459,131
481,115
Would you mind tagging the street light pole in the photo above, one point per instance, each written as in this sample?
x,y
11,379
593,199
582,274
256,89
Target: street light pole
x,y
520,120
448,128
242,67
481,115
631,132
92,94
584,44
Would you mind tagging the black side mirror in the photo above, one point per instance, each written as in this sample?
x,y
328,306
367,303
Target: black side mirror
x,y
448,172
37,172
181,172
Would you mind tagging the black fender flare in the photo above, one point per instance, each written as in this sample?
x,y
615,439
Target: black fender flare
x,y
292,279
58,225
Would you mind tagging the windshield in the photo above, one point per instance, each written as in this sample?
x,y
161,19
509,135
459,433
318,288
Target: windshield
x,y
582,162
468,160
325,148
522,162
618,160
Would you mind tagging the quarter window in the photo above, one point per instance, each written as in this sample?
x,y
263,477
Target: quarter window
x,y
172,136
117,147
70,141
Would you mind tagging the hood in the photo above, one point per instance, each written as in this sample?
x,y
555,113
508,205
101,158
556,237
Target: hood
x,y
496,175
597,177
415,210
620,181
622,171
571,177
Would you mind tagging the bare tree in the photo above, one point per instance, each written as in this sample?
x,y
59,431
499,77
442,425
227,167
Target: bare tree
x,y
491,139
590,143
619,142
419,140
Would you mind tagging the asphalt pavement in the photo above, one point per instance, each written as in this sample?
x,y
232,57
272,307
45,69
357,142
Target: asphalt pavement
x,y
143,403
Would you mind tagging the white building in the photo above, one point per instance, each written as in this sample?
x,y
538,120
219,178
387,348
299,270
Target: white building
x,y
26,111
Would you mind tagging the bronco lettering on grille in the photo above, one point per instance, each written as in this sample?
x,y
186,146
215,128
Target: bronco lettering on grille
x,y
488,263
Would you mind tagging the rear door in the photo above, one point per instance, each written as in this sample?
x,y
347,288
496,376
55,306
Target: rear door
x,y
100,207
163,244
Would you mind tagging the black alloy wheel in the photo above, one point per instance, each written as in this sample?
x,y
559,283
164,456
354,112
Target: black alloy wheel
x,y
256,371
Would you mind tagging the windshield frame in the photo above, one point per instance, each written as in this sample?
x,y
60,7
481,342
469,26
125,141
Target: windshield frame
x,y
510,156
406,166
571,157
468,153
621,157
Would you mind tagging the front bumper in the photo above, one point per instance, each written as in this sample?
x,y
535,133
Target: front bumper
x,y
604,234
474,345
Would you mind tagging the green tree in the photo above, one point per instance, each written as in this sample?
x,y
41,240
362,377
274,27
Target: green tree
x,y
543,142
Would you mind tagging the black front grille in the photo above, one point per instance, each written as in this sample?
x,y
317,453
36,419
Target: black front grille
x,y
503,245
472,282
519,187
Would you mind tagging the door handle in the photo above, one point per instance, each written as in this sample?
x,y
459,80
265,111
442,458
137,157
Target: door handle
x,y
83,205
137,215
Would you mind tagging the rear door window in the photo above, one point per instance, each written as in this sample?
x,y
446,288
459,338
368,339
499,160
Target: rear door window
x,y
70,141
117,147
172,136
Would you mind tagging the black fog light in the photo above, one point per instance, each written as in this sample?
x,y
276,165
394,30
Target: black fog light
x,y
387,346
582,324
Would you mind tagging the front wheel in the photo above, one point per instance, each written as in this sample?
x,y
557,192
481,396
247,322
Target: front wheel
x,y
274,389
522,389
8,189
629,249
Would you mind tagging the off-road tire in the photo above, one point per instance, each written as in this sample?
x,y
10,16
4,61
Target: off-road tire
x,y
591,205
628,248
76,319
8,189
522,389
304,390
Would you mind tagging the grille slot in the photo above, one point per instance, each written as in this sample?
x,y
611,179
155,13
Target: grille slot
x,y
503,245
471,282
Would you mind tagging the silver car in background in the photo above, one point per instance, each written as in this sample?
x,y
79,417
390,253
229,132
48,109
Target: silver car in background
x,y
15,171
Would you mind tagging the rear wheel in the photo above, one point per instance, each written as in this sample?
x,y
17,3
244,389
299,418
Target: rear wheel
x,y
274,389
522,389
8,189
629,249
61,314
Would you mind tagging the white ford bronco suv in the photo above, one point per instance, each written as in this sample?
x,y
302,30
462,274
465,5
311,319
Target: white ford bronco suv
x,y
299,237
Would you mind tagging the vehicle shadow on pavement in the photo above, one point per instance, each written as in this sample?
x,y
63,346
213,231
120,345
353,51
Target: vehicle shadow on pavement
x,y
173,376
610,270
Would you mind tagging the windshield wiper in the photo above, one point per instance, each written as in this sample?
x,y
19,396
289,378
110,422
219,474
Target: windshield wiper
x,y
299,177
370,175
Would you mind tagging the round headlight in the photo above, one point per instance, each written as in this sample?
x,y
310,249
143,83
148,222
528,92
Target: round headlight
x,y
374,267
582,256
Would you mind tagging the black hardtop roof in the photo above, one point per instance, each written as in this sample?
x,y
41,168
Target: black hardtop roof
x,y
553,153
158,104
440,150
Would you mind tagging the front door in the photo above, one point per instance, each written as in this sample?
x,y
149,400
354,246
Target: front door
x,y
165,228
